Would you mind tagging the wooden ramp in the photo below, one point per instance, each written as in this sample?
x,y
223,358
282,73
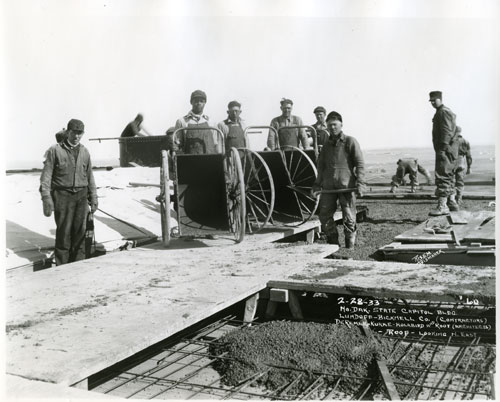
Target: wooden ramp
x,y
463,237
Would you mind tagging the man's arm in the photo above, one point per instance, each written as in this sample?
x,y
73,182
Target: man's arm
x,y
46,182
468,156
447,127
91,188
179,137
302,134
359,164
318,183
271,138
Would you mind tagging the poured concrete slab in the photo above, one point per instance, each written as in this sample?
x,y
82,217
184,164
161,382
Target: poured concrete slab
x,y
70,322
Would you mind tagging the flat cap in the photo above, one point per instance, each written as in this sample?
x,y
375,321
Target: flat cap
x,y
76,125
319,109
233,104
334,116
435,95
458,129
199,94
286,101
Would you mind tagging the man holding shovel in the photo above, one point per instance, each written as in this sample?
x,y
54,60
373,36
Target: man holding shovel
x,y
340,178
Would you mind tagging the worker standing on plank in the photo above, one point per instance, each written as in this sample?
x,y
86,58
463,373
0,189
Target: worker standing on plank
x,y
201,141
233,127
135,128
410,167
340,167
67,187
464,162
291,136
446,147
322,134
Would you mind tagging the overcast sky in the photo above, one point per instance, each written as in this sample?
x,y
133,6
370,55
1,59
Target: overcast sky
x,y
372,61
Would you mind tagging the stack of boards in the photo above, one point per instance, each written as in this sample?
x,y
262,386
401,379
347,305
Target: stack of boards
x,y
461,238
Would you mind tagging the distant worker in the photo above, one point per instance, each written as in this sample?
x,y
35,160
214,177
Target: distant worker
x,y
61,135
446,148
67,187
135,128
233,127
409,166
201,141
464,162
320,127
340,167
291,136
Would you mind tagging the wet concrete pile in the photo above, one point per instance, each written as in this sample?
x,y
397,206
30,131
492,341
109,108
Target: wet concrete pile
x,y
280,348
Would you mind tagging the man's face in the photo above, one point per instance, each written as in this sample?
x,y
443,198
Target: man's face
x,y
436,102
286,109
335,126
74,137
198,105
320,117
234,113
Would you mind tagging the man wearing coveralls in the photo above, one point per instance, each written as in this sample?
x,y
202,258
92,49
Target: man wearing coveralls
x,y
320,127
340,166
201,141
446,148
409,166
290,136
67,187
233,127
464,162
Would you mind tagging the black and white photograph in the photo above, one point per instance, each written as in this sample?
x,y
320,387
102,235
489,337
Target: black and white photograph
x,y
250,199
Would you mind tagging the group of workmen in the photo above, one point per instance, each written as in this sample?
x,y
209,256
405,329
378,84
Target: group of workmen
x,y
68,187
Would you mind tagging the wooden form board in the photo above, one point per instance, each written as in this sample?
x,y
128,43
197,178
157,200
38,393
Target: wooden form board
x,y
462,231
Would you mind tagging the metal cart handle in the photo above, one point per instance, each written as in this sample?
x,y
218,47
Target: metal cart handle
x,y
310,128
220,135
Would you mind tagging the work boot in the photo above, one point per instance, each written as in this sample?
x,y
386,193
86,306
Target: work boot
x,y
413,189
452,203
441,208
393,189
350,240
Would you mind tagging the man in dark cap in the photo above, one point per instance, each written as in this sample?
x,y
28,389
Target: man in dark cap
x,y
410,167
233,127
320,126
67,187
340,167
446,148
135,128
286,136
463,164
202,141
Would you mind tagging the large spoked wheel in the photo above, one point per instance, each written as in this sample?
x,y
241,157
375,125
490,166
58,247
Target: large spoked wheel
x,y
302,174
165,199
259,189
235,194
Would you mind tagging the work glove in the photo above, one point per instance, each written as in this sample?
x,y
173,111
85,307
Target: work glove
x,y
48,205
359,192
468,170
448,152
314,190
93,205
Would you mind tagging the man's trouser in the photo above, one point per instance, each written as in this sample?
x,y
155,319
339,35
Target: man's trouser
x,y
70,212
401,172
445,175
328,206
460,171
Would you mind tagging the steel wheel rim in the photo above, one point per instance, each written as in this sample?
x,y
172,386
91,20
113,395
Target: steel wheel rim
x,y
259,189
235,194
302,174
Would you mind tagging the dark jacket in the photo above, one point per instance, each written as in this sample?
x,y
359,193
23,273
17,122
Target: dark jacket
x,y
61,171
340,164
443,127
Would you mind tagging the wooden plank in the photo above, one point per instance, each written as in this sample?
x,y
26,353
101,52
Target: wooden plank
x,y
384,371
251,308
465,231
484,234
459,217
